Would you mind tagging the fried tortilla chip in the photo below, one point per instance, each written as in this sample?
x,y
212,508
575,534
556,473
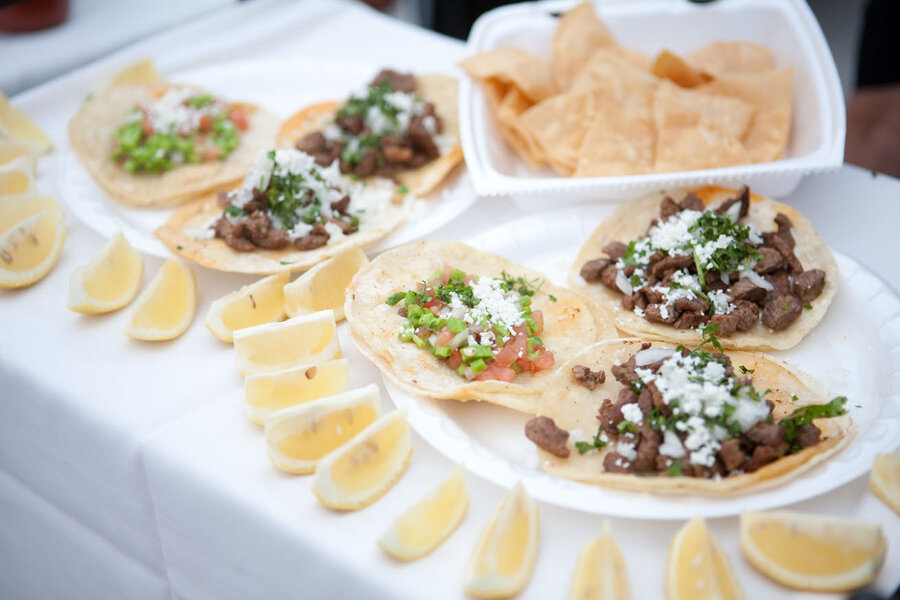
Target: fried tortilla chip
x,y
569,323
620,140
573,406
558,126
509,120
608,72
671,66
579,34
631,220
514,66
731,57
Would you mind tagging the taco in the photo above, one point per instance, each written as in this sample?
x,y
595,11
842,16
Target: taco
x,y
288,214
628,415
399,126
444,320
751,268
152,143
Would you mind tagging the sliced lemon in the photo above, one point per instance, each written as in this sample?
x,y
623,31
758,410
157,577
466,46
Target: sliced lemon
x,y
16,208
885,479
109,281
308,339
30,249
428,523
505,551
299,436
600,571
17,176
362,470
164,310
812,552
254,304
265,393
323,286
139,73
11,150
15,126
697,568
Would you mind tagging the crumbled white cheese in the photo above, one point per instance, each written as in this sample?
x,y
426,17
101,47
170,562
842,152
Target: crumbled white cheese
x,y
671,445
705,251
632,412
496,306
721,302
628,451
672,234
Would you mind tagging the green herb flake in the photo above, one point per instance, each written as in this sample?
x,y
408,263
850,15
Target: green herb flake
x,y
807,414
234,211
180,247
596,444
675,469
807,306
745,370
402,189
286,262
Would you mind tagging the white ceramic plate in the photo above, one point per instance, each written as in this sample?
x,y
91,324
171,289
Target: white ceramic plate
x,y
283,87
855,352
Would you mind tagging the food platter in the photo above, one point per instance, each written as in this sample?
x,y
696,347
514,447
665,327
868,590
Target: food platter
x,y
262,82
855,352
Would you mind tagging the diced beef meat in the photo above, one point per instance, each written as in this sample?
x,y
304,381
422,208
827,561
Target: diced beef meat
x,y
696,304
781,282
547,436
399,82
647,451
591,270
645,401
743,198
233,235
744,289
312,143
625,372
809,284
728,324
747,314
354,124
616,463
689,320
608,276
610,415
345,226
731,455
668,265
341,205
420,138
692,202
654,314
808,435
770,260
316,238
781,311
762,455
668,208
767,434
615,250
588,378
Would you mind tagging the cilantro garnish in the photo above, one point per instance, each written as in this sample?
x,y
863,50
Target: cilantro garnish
x,y
745,370
709,337
402,189
597,444
709,228
626,425
523,286
675,469
807,306
806,414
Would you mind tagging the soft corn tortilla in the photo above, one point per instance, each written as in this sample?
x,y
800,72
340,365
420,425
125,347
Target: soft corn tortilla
x,y
91,136
440,90
186,233
573,406
569,323
631,221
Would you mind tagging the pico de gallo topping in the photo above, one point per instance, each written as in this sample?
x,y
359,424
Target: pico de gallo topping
x,y
179,126
481,327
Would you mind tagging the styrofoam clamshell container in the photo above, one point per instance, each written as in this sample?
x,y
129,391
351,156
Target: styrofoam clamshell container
x,y
787,27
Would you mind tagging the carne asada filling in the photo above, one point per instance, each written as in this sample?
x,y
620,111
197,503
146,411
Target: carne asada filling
x,y
481,327
697,266
180,126
286,200
687,414
382,129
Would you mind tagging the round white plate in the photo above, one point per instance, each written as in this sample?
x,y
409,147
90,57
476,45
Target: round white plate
x,y
282,87
855,352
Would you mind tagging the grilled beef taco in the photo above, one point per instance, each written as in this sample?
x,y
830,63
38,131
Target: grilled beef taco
x,y
444,320
151,143
289,214
668,266
632,416
400,126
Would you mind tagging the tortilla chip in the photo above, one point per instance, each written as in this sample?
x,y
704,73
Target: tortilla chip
x,y
631,221
608,72
732,57
671,66
509,113
92,138
514,66
579,34
619,141
569,324
440,90
677,107
186,234
573,406
558,125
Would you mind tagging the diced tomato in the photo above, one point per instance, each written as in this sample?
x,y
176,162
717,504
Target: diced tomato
x,y
543,362
496,371
521,329
469,280
507,355
539,317
454,360
432,302
146,126
444,278
205,123
239,118
210,153
444,337
523,363
429,291
423,334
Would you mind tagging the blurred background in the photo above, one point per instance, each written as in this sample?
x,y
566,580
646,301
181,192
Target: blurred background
x,y
70,33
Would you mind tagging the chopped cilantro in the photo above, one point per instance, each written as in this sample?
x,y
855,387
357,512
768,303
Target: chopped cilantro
x,y
395,298
675,469
785,306
806,414
710,227
402,189
523,286
745,370
286,262
180,247
627,425
709,337
234,211
597,444
794,398
807,306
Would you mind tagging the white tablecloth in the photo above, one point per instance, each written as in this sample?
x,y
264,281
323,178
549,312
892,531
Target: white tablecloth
x,y
127,470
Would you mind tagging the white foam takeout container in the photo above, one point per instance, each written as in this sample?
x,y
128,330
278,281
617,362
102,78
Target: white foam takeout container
x,y
787,27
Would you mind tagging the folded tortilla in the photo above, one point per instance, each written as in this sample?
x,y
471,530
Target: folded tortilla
x,y
570,324
573,406
440,90
631,220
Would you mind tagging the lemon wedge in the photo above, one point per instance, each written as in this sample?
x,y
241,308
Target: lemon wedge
x,y
600,571
15,126
365,468
265,393
30,249
17,176
109,281
506,550
812,552
697,568
885,479
299,436
308,339
254,304
138,73
16,208
323,286
427,524
164,310
11,150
